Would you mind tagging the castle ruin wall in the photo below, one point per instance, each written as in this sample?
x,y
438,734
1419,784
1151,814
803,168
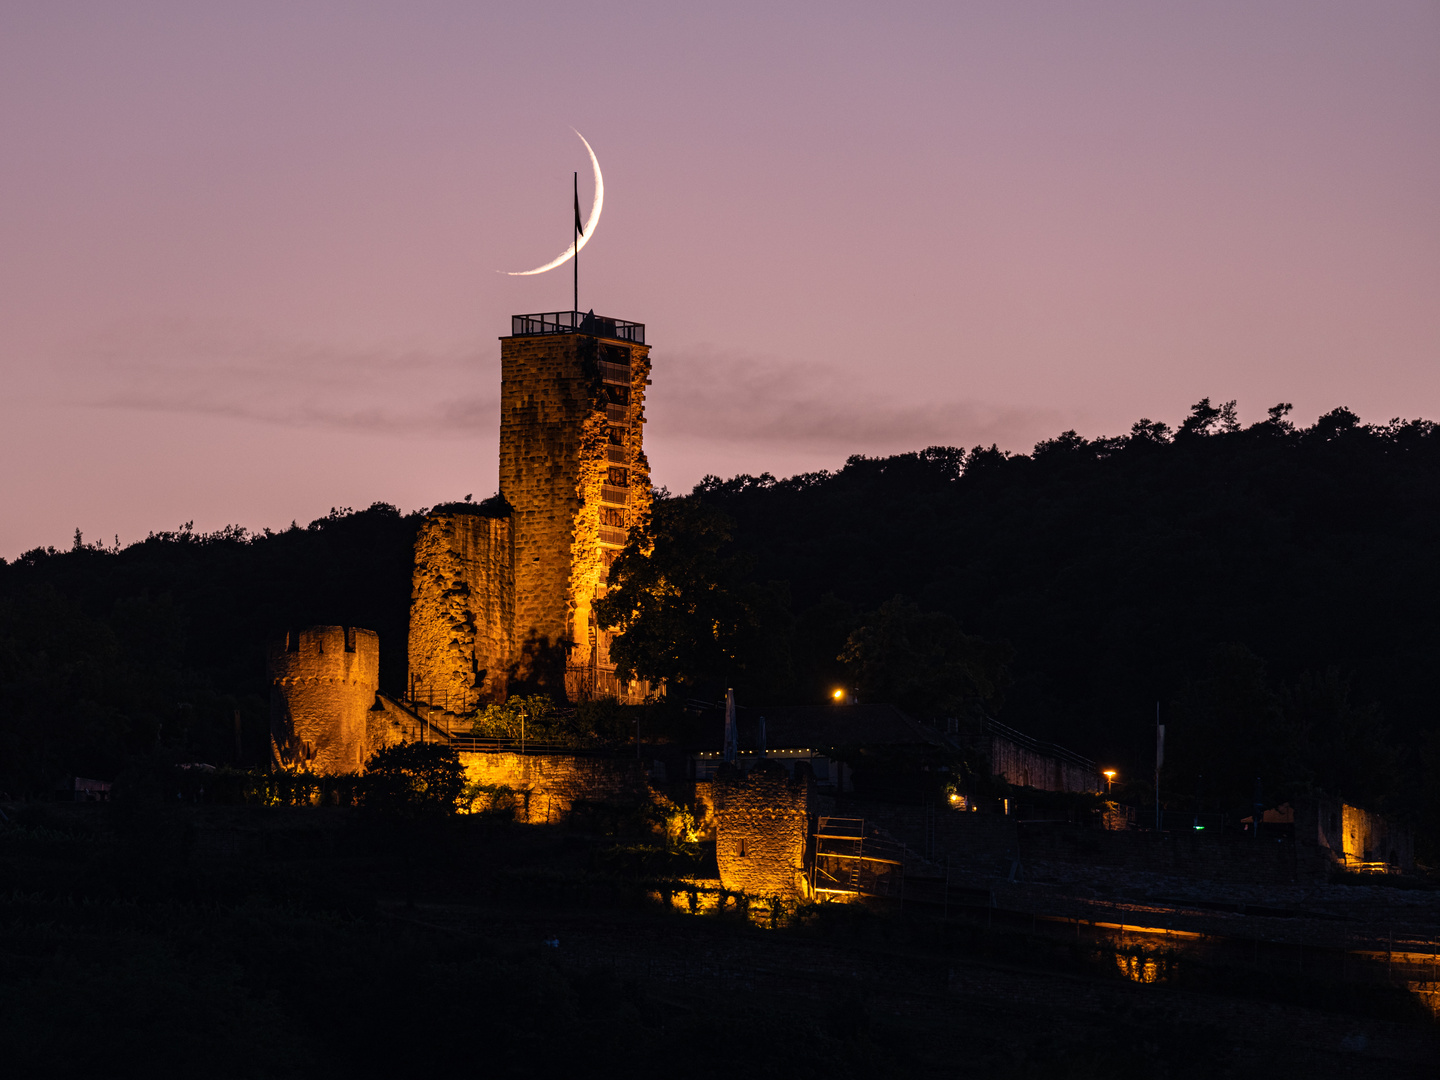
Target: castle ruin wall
x,y
543,788
462,610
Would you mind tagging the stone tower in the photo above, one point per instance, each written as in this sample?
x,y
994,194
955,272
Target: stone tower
x,y
503,592
762,828
574,472
323,682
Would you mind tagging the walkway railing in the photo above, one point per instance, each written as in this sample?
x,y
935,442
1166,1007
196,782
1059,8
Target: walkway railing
x,y
577,322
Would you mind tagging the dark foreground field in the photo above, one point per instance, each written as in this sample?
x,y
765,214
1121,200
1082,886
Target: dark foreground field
x,y
245,942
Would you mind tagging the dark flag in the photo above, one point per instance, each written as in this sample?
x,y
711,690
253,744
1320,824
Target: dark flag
x,y
579,229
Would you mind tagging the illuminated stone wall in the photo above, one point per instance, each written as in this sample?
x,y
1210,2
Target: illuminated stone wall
x,y
462,609
544,787
762,829
1353,835
573,468
323,682
1032,768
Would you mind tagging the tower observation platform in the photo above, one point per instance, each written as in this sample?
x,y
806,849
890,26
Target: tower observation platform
x,y
577,322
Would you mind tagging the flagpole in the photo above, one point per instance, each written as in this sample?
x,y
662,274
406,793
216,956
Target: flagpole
x,y
577,242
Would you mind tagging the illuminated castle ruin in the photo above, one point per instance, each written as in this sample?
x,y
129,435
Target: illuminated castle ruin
x,y
503,591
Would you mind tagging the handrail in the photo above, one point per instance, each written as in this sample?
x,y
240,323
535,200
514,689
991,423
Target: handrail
x,y
577,322
619,374
1019,738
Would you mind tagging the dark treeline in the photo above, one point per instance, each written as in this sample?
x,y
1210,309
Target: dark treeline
x,y
107,655
1273,588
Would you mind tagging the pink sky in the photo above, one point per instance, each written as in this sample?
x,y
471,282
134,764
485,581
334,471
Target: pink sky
x,y
249,250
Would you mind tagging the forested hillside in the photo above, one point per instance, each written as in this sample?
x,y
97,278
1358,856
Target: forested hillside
x,y
106,654
1273,588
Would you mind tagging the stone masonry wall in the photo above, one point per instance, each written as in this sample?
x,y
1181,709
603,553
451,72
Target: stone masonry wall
x,y
323,681
546,786
462,610
762,829
612,439
561,431
1030,768
545,401
1353,835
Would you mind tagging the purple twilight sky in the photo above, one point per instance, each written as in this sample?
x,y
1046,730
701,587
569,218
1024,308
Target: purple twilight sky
x,y
250,250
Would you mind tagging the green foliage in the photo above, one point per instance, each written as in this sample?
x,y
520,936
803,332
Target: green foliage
x,y
590,723
1232,725
1228,727
1115,567
414,778
923,662
685,608
535,716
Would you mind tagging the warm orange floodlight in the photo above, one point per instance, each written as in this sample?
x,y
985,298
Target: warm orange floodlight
x,y
838,695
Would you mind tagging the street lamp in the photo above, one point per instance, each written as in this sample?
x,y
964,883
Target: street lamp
x,y
1109,775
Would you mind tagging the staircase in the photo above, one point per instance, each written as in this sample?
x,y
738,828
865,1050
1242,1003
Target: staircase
x,y
415,721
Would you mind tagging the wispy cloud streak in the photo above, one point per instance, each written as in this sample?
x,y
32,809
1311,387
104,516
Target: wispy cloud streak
x,y
720,397
215,372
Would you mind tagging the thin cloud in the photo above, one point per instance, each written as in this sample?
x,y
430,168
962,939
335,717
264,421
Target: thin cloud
x,y
700,396
219,371
715,397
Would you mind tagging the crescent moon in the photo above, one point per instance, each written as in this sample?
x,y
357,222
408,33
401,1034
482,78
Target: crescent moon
x,y
569,253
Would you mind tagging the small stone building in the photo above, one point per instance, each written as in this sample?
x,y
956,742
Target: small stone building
x,y
763,827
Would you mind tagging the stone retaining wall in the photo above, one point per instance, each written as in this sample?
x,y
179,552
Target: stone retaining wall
x,y
544,787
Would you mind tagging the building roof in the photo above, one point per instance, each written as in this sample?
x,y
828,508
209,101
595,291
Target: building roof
x,y
816,727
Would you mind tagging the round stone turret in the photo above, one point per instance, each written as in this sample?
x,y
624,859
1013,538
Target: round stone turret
x,y
323,682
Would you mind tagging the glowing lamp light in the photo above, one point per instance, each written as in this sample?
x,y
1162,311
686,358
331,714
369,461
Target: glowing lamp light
x,y
838,695
1109,774
954,797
